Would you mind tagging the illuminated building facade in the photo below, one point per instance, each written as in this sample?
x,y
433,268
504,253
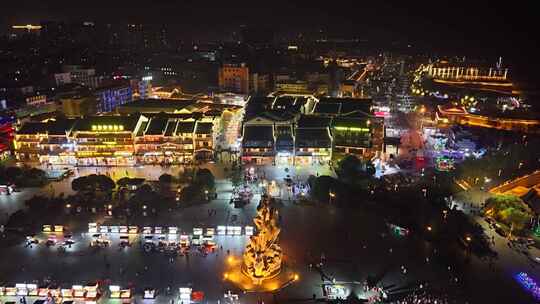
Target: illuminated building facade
x,y
36,100
45,142
166,140
358,136
106,140
268,138
77,74
284,135
312,140
109,97
466,73
117,140
234,77
75,105
458,115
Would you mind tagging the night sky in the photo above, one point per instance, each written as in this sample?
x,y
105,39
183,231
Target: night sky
x,y
464,27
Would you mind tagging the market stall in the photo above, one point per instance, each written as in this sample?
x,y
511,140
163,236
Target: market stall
x,y
78,291
66,292
184,295
92,291
22,290
124,241
92,228
149,293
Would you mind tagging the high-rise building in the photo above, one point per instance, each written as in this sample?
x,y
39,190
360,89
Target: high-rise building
x,y
234,77
111,96
78,105
77,74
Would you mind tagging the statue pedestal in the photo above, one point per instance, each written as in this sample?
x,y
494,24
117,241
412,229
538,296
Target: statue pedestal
x,y
236,276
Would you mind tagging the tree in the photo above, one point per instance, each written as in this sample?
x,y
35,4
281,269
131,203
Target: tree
x,y
79,184
104,183
508,209
186,175
204,178
165,178
190,193
92,183
14,173
322,186
351,169
236,176
17,219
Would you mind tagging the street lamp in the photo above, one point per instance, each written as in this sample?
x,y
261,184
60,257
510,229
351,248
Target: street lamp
x,y
331,195
429,228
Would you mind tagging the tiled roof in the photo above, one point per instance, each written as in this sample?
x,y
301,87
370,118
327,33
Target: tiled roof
x,y
128,122
313,121
203,128
30,128
313,138
258,136
171,127
185,127
156,127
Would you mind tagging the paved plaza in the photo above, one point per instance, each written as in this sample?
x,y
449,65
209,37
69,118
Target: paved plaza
x,y
354,245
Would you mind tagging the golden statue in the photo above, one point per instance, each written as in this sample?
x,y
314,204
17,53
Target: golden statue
x,y
262,257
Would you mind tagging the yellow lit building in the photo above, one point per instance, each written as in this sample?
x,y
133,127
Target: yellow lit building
x,y
234,77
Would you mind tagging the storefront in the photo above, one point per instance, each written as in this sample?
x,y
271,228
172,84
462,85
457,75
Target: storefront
x,y
60,159
258,160
165,157
284,159
320,157
106,159
204,154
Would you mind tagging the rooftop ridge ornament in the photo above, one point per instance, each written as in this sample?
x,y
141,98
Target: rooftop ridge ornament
x,y
263,256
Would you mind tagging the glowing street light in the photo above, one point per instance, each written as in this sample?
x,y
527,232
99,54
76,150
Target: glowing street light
x,y
429,228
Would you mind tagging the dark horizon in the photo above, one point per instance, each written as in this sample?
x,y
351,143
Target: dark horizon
x,y
479,29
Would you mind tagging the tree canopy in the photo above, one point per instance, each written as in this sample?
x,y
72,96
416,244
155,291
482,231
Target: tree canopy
x,y
508,209
165,178
351,169
204,178
93,183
